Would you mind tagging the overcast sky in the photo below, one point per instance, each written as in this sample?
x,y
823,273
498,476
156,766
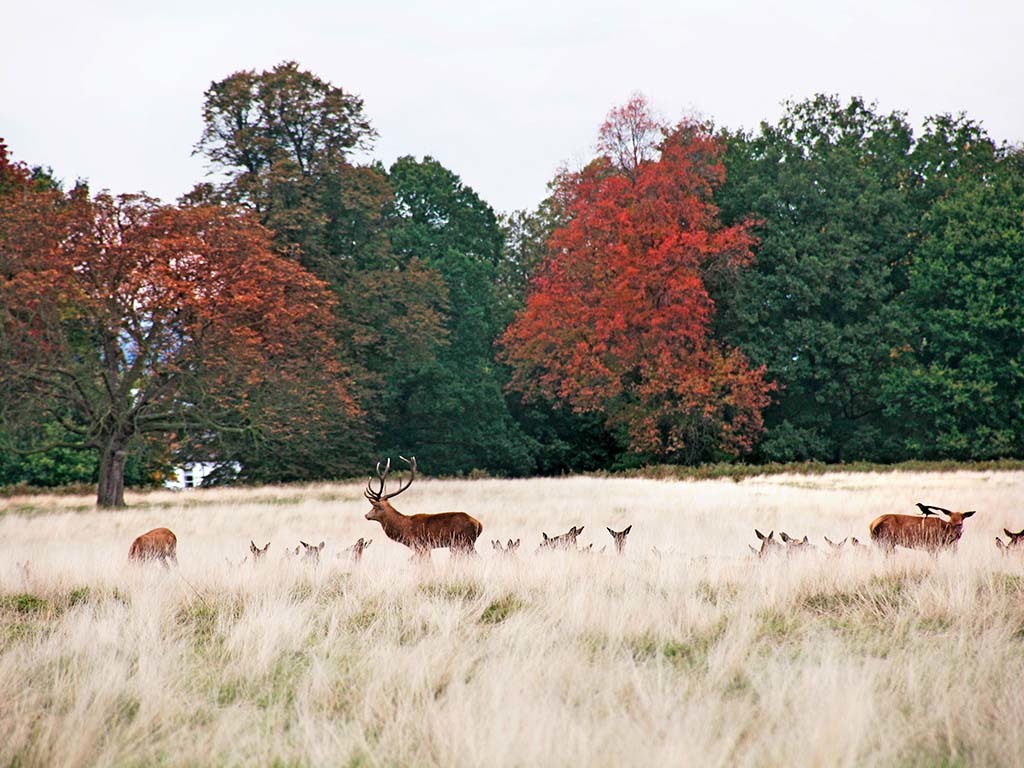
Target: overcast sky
x,y
112,91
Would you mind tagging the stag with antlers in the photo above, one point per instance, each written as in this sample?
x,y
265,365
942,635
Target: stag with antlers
x,y
421,533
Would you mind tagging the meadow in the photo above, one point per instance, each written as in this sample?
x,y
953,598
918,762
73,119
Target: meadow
x,y
685,650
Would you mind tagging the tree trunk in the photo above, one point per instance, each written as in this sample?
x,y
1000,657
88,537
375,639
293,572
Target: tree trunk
x,y
110,492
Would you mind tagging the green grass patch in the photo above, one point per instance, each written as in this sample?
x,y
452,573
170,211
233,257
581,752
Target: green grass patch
x,y
500,609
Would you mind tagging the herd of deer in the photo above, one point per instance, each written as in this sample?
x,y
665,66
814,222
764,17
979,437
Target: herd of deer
x,y
458,532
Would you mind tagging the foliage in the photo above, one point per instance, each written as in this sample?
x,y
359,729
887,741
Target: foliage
x,y
957,385
616,322
123,318
452,411
826,184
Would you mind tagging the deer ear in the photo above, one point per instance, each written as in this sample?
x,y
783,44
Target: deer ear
x,y
368,543
805,540
999,543
753,550
321,545
266,547
968,514
544,535
784,536
252,546
303,544
829,541
628,529
609,530
759,534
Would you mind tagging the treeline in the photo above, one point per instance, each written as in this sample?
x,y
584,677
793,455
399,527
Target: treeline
x,y
831,287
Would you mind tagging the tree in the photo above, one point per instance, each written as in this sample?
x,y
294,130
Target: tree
x,y
830,185
282,140
453,409
124,319
956,387
617,320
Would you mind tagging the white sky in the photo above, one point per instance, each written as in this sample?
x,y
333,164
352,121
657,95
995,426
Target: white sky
x,y
111,91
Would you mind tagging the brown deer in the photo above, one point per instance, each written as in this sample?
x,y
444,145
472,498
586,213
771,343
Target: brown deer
x,y
159,544
929,531
355,552
1016,541
510,549
421,533
310,553
566,540
620,538
769,544
796,546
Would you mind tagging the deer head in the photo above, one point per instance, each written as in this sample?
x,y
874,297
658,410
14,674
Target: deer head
x,y
769,544
257,553
379,504
311,553
497,546
955,520
620,538
512,546
356,550
835,547
1015,541
795,546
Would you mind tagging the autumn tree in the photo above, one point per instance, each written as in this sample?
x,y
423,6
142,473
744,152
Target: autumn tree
x,y
617,320
280,143
122,319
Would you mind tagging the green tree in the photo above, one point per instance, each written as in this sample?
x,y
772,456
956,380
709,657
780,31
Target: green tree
x,y
452,411
829,184
282,141
956,389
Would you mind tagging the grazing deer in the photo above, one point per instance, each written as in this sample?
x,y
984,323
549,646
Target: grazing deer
x,y
796,546
1016,541
620,538
257,553
565,541
929,531
769,545
159,544
421,533
510,549
310,553
355,552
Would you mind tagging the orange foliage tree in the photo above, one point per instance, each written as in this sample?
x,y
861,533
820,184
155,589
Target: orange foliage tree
x,y
617,318
122,318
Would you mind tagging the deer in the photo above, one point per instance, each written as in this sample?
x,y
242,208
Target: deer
x,y
796,546
566,540
929,531
620,538
355,552
421,533
257,553
310,553
769,545
158,544
510,549
1016,541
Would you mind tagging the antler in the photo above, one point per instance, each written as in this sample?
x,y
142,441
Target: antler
x,y
382,475
376,495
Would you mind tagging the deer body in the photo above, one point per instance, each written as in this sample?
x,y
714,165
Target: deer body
x,y
928,532
421,533
158,544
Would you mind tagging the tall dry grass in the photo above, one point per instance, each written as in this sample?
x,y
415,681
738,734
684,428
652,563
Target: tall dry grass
x,y
698,656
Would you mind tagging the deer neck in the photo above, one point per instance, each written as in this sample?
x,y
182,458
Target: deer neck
x,y
394,523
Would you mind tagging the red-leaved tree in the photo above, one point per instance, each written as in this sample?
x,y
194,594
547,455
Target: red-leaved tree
x,y
617,319
121,318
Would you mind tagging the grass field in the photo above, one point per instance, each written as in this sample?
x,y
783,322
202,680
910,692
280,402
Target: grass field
x,y
697,655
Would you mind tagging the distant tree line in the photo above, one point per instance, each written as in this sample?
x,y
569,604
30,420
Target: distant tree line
x,y
829,287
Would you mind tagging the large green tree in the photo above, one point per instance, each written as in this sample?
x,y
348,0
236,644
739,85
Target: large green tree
x,y
830,185
281,141
956,386
452,411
